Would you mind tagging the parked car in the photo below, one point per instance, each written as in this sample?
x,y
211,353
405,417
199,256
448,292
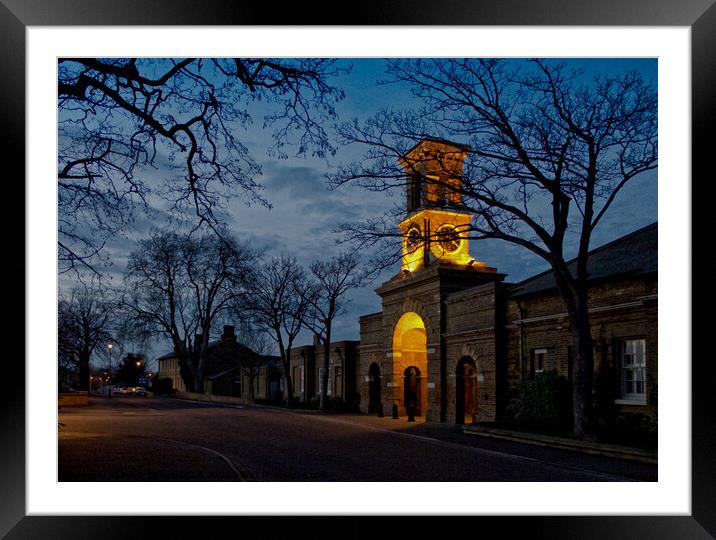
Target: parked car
x,y
139,391
122,391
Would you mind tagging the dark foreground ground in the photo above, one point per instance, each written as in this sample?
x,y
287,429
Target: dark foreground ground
x,y
162,439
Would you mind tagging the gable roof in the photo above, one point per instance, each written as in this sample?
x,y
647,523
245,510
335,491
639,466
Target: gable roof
x,y
632,255
459,146
240,347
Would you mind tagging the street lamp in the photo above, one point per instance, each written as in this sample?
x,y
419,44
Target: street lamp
x,y
109,346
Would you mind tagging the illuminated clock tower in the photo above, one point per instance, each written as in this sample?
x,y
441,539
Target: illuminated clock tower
x,y
436,228
411,352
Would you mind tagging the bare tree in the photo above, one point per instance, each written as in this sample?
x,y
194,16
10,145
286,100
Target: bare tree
x,y
279,307
121,119
178,286
547,155
84,323
255,338
325,295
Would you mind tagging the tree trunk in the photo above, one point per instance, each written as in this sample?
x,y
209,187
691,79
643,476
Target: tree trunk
x,y
287,378
84,372
185,370
200,364
286,360
583,368
574,296
324,380
288,383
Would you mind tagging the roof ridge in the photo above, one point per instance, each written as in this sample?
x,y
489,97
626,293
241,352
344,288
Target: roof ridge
x,y
589,253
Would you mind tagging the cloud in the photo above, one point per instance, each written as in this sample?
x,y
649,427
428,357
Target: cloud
x,y
296,183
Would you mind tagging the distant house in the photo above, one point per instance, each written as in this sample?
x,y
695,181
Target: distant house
x,y
230,370
307,370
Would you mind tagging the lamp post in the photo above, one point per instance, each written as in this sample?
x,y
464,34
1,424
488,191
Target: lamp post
x,y
109,391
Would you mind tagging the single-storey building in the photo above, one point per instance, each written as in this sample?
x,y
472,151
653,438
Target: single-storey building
x,y
232,369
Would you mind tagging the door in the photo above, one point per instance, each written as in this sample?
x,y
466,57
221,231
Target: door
x,y
412,390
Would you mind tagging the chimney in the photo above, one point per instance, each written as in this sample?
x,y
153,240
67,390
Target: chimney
x,y
229,333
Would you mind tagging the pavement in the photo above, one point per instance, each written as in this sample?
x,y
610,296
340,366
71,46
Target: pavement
x,y
587,447
163,439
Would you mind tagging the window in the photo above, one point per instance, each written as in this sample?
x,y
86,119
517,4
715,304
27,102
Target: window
x,y
633,367
538,358
415,196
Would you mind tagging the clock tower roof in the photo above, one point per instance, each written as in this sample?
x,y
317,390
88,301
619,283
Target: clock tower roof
x,y
436,143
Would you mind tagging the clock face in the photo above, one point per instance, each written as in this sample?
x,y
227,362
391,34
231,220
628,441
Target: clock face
x,y
412,239
448,238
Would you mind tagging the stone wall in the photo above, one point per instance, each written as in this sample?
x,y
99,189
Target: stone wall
x,y
472,333
619,310
427,294
73,399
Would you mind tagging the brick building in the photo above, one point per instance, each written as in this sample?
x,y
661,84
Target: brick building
x,y
306,370
231,370
453,337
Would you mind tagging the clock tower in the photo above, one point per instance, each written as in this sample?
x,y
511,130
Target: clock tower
x,y
436,228
414,353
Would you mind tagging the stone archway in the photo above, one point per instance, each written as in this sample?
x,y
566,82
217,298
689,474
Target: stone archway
x,y
410,351
466,398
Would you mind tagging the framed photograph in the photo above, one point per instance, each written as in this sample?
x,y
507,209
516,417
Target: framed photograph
x,y
387,364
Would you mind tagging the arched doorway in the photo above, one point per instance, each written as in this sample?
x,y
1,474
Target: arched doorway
x,y
374,403
412,394
465,391
410,363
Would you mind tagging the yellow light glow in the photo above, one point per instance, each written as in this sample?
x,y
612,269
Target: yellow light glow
x,y
410,349
429,221
433,189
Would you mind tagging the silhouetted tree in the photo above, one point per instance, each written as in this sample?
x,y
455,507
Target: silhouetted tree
x,y
177,286
278,307
542,148
120,118
254,337
84,323
130,370
325,295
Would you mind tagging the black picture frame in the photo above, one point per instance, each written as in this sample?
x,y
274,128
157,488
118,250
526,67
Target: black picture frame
x,y
699,15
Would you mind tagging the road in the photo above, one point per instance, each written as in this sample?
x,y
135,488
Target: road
x,y
162,439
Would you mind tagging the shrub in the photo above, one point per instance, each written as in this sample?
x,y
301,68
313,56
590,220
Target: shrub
x,y
353,402
162,386
335,404
633,429
541,402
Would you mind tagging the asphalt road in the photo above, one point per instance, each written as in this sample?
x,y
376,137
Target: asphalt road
x,y
162,439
